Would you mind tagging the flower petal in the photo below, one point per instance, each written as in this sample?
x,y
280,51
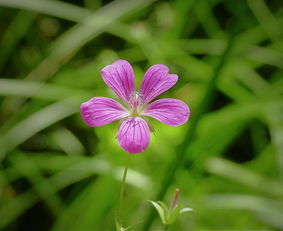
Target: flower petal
x,y
134,135
172,112
99,111
119,76
156,81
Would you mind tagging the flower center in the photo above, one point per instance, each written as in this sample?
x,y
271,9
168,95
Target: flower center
x,y
135,104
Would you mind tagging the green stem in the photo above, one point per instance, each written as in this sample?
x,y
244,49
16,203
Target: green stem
x,y
166,227
121,199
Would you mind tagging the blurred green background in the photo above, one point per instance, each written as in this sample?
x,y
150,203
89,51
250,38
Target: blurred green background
x,y
58,174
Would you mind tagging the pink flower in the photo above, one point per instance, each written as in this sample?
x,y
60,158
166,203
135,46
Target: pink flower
x,y
134,132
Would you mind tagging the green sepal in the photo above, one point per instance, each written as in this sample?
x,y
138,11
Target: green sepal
x,y
173,215
167,216
162,210
184,210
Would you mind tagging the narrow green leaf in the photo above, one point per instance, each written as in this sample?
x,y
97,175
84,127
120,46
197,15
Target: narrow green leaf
x,y
160,211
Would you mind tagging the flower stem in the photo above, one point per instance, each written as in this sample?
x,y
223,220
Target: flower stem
x,y
121,197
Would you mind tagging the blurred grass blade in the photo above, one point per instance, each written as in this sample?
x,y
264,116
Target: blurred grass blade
x,y
243,175
45,190
35,123
68,142
67,170
182,9
274,117
46,91
53,8
13,35
272,210
204,46
90,208
11,209
266,19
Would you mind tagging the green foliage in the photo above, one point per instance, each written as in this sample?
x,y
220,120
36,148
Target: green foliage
x,y
168,216
58,174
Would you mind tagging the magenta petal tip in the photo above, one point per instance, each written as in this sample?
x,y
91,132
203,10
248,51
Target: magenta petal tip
x,y
134,135
99,111
172,112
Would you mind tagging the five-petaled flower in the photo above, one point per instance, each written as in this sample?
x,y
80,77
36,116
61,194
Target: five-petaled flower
x,y
134,132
